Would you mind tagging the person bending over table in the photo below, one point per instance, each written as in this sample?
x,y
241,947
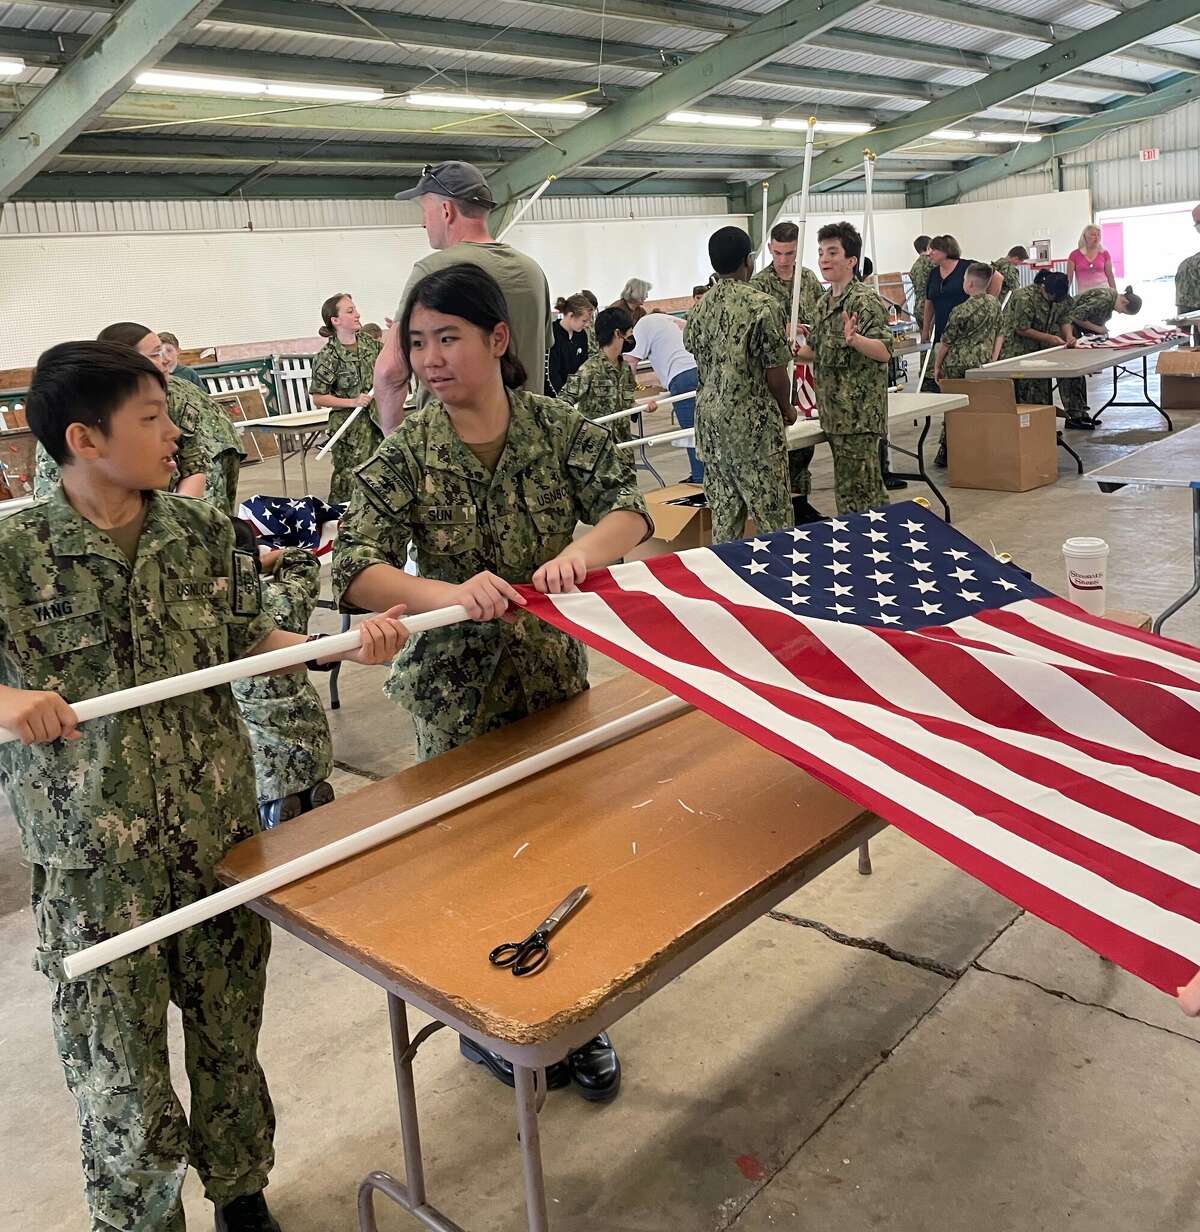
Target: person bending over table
x,y
1037,317
1090,314
488,481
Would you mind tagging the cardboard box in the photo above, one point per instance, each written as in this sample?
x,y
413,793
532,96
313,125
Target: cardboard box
x,y
681,520
998,443
1179,379
1130,617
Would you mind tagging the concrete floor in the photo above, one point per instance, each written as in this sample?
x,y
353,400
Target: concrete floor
x,y
906,1051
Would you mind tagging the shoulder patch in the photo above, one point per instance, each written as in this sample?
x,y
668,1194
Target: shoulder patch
x,y
587,446
385,487
246,599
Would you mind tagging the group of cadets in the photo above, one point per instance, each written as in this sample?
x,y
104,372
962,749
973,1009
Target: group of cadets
x,y
128,569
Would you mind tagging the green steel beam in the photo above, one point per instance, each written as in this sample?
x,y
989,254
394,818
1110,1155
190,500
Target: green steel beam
x,y
736,54
1181,89
1036,71
128,42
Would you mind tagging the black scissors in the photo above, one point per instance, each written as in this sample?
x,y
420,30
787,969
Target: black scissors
x,y
526,957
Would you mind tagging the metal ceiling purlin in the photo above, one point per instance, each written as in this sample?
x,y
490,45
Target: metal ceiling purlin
x,y
1183,88
734,55
132,39
1074,52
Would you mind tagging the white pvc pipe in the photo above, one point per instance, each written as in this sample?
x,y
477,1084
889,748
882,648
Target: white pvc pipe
x,y
240,669
75,965
637,442
337,436
639,407
802,226
516,218
1061,347
762,252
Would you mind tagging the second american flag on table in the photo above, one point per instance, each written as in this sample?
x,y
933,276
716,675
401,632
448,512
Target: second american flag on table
x,y
1051,754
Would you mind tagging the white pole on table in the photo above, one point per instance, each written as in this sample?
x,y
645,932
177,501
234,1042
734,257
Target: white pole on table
x,y
762,252
337,436
639,407
639,442
802,226
240,669
173,922
1062,346
516,218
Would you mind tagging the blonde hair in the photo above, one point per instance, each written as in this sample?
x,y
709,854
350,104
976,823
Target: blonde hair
x,y
1083,235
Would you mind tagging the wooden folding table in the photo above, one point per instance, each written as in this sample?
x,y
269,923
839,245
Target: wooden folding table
x,y
686,834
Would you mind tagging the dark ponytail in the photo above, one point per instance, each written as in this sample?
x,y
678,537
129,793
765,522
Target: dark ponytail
x,y
126,333
469,292
328,312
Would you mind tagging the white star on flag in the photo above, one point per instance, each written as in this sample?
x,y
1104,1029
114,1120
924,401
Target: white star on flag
x,y
839,546
876,536
794,579
1005,583
879,578
837,590
963,575
879,557
798,558
888,620
839,610
874,515
911,526
930,609
835,525
756,566
838,566
956,554
797,598
884,600
759,545
797,534
915,545
921,566
923,586
970,596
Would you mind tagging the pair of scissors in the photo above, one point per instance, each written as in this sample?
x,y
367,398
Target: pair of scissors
x,y
526,957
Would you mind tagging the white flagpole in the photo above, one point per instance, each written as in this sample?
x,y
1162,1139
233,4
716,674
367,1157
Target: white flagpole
x,y
240,669
516,218
337,436
869,219
802,224
766,235
80,963
639,407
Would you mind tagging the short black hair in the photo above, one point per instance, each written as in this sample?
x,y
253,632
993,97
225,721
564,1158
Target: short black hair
x,y
1055,285
921,242
785,233
82,382
728,249
128,333
1019,252
609,321
844,231
470,292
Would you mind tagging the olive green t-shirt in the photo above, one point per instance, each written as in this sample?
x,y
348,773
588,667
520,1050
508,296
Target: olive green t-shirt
x,y
525,289
488,452
126,537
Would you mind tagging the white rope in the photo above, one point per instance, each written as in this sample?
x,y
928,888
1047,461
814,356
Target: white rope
x,y
80,963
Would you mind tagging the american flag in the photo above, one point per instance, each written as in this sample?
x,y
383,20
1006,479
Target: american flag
x,y
282,522
1051,754
1135,338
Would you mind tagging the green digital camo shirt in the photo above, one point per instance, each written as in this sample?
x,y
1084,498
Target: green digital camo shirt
x,y
970,335
343,372
79,619
1187,285
851,389
1030,309
781,292
599,387
922,267
1096,306
1010,278
735,333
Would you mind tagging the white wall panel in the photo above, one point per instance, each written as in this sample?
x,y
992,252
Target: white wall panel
x,y
986,230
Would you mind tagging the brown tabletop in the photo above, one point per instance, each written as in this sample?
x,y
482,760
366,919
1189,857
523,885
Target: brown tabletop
x,y
674,830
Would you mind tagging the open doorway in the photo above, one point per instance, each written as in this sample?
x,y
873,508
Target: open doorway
x,y
1147,244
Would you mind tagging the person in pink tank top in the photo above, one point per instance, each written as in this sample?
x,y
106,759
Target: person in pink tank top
x,y
1091,265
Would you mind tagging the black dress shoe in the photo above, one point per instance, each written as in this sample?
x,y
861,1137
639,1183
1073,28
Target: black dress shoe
x,y
558,1075
803,512
1080,422
940,459
596,1069
247,1214
894,484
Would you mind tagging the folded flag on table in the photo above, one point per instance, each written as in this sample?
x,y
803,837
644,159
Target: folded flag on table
x,y
306,522
1051,754
1135,338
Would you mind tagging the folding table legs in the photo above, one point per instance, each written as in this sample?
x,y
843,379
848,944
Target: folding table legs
x,y
1195,588
1146,399
531,1148
918,455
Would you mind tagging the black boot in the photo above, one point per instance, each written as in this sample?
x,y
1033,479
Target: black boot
x,y
247,1214
557,1075
596,1069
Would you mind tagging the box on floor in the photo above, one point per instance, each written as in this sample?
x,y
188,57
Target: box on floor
x,y
998,443
1179,379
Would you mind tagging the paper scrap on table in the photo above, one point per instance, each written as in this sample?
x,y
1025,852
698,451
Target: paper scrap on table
x,y
519,850
644,803
689,809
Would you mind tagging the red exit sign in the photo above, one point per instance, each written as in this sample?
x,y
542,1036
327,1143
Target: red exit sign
x,y
1150,156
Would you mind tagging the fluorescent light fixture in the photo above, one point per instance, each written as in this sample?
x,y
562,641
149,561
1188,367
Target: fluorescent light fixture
x,y
1008,138
715,119
823,126
11,67
478,102
954,134
349,94
196,81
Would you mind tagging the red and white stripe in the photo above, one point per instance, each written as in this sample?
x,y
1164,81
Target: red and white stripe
x,y
1052,755
1135,338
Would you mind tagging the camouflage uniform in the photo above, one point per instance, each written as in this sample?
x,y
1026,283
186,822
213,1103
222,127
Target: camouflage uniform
x,y
735,333
1030,309
1187,285
1009,275
1096,306
970,335
208,444
780,291
600,387
852,394
424,484
922,267
128,822
284,718
345,373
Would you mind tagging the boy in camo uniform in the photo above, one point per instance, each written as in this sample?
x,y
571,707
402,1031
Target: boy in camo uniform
x,y
605,383
1091,312
284,718
1036,317
744,403
108,583
1006,267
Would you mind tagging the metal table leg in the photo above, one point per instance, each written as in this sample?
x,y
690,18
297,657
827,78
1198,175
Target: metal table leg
x,y
918,455
1062,440
1146,399
531,1149
864,859
1195,587
409,1194
279,444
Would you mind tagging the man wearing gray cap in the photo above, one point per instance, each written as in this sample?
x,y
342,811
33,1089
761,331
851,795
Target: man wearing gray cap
x,y
455,202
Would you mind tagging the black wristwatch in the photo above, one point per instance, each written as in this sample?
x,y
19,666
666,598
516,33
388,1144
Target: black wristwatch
x,y
313,665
